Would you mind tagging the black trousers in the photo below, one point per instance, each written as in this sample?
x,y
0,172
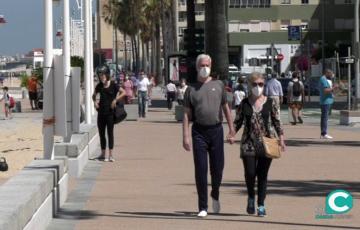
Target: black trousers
x,y
256,167
106,122
170,98
208,140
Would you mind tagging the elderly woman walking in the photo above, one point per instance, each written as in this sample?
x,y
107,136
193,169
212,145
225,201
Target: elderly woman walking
x,y
258,113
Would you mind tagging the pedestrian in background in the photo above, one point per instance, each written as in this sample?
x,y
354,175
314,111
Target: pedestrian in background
x,y
295,97
6,99
170,94
129,90
151,87
326,101
274,90
181,91
239,95
110,94
32,88
143,90
203,105
258,114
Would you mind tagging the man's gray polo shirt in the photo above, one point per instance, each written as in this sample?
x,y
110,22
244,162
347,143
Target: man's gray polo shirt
x,y
206,100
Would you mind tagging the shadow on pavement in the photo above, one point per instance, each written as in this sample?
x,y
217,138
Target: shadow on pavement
x,y
76,214
304,143
314,188
163,122
192,216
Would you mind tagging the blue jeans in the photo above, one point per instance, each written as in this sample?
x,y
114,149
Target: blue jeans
x,y
325,109
142,102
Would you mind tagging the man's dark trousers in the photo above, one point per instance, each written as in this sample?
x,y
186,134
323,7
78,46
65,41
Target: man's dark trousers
x,y
208,140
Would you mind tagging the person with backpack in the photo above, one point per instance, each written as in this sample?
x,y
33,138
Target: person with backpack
x,y
9,103
296,96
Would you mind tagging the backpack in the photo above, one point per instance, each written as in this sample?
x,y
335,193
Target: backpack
x,y
12,102
296,89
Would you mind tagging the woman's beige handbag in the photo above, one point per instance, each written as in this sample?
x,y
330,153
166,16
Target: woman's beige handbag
x,y
272,147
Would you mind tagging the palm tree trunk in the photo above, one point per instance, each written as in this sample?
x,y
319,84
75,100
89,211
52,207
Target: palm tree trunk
x,y
174,20
165,38
125,53
159,78
148,66
153,55
138,64
133,53
143,53
116,50
215,36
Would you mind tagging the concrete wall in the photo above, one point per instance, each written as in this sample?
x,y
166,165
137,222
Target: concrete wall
x,y
30,199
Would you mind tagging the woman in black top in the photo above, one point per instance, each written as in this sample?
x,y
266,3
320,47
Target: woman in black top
x,y
109,95
258,113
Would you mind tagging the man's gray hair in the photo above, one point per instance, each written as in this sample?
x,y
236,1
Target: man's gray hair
x,y
201,57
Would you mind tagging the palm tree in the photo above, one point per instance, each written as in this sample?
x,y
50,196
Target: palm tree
x,y
216,36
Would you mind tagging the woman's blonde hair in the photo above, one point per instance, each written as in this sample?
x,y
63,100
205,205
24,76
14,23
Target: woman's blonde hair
x,y
255,76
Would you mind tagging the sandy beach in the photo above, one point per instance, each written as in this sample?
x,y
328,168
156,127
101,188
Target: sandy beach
x,y
20,139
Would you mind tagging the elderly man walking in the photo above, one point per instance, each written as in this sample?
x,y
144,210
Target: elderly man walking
x,y
203,104
274,90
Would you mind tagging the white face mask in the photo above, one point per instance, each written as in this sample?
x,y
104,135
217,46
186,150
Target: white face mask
x,y
296,80
204,72
257,91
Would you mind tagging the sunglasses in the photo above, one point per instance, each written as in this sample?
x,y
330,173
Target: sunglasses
x,y
260,84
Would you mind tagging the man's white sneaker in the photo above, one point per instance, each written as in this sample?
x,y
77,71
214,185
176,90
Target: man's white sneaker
x,y
202,213
216,205
326,137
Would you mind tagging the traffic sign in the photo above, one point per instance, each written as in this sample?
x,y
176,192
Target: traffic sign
x,y
349,60
280,57
294,33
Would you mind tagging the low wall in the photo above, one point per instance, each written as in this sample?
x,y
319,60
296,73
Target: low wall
x,y
349,117
30,199
83,146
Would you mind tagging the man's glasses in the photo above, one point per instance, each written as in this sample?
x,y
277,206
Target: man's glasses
x,y
260,84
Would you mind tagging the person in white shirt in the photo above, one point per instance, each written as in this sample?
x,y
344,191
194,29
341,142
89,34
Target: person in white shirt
x,y
143,89
239,95
170,93
181,91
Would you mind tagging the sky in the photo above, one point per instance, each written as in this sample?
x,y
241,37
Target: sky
x,y
24,28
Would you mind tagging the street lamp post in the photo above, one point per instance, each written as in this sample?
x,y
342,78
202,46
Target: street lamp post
x,y
356,50
87,75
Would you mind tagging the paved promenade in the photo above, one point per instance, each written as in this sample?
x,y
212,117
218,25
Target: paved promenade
x,y
151,184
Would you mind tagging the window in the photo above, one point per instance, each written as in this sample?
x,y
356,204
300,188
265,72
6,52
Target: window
x,y
250,3
304,24
285,2
344,24
304,1
182,3
284,24
181,30
348,1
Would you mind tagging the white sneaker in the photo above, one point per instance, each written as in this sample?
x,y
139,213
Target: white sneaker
x,y
202,213
326,136
216,205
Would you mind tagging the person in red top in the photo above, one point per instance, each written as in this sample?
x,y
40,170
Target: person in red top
x,y
32,88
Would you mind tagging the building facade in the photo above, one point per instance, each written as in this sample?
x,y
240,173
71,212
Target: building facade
x,y
256,24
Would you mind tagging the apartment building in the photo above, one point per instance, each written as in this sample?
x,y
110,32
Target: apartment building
x,y
182,16
255,24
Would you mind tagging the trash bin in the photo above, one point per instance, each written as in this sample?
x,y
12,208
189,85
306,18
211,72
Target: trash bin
x,y
18,106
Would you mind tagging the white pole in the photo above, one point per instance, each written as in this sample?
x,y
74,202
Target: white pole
x,y
91,56
48,113
349,79
66,62
357,51
87,62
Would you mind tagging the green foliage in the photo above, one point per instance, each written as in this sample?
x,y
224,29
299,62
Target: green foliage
x,y
77,61
39,74
24,80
